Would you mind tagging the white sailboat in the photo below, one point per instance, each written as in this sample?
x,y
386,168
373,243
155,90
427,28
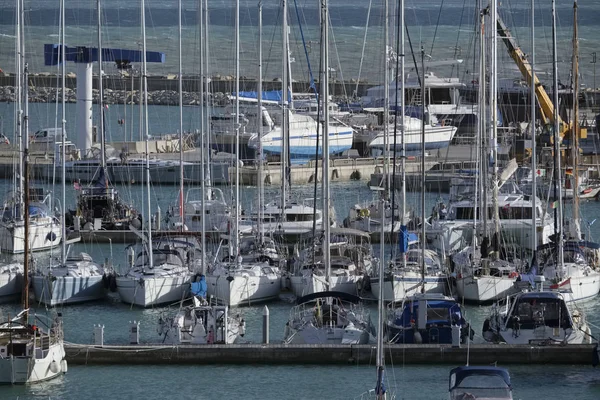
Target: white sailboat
x,y
75,279
161,272
28,353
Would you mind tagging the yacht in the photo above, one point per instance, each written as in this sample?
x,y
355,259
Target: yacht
x,y
217,212
329,318
11,280
297,219
79,280
163,280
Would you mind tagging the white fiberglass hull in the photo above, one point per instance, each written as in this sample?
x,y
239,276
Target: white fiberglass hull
x,y
483,289
408,285
310,334
46,364
305,285
584,287
152,291
43,235
11,285
303,142
243,289
54,291
436,137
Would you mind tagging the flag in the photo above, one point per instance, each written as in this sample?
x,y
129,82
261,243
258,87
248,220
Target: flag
x,y
106,106
76,186
554,204
564,286
540,172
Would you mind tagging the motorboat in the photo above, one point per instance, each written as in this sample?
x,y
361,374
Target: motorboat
x,y
329,318
429,318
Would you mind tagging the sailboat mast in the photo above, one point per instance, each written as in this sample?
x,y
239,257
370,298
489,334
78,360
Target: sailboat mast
x,y
494,111
260,128
63,246
203,133
423,169
403,222
325,124
386,106
575,231
533,138
146,134
284,108
25,167
100,95
236,237
557,166
19,110
180,89
481,129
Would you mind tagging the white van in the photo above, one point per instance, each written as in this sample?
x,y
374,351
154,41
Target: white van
x,y
47,135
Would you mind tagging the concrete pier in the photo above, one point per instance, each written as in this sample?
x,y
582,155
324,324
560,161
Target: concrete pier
x,y
277,354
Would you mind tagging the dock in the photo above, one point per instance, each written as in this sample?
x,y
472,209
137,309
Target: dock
x,y
282,354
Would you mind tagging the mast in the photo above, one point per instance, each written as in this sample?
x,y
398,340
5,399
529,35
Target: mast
x,y
386,107
557,168
63,243
325,96
403,226
236,237
19,111
423,170
494,121
481,129
575,228
533,138
285,117
180,89
260,128
146,134
100,95
203,132
25,168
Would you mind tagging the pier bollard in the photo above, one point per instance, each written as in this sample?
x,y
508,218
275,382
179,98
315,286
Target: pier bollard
x,y
266,325
134,332
98,335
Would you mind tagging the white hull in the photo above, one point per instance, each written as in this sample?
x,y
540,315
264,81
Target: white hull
x,y
484,289
302,286
584,287
407,285
42,236
46,365
54,291
311,334
152,291
11,285
242,290
436,137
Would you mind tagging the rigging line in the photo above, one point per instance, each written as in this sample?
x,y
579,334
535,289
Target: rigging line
x,y
414,60
362,54
312,80
437,24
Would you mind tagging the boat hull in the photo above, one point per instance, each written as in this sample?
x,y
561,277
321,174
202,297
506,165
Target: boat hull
x,y
152,291
42,236
407,285
22,370
242,290
11,285
484,289
54,291
302,285
436,137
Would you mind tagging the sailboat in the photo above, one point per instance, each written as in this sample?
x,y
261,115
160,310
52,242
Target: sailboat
x,y
29,353
479,382
235,280
76,278
329,316
161,271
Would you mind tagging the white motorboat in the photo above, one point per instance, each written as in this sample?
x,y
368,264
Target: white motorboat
x,y
11,280
79,280
302,136
329,318
294,221
368,218
536,318
45,230
217,213
164,280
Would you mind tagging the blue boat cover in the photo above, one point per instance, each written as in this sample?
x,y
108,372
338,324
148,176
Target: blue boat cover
x,y
463,372
199,288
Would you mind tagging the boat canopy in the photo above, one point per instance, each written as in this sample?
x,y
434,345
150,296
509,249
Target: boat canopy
x,y
438,312
479,377
320,295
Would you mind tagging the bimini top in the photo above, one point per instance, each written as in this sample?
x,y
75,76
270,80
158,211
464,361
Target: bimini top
x,y
482,377
320,295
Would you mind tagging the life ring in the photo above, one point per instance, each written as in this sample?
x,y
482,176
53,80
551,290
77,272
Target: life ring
x,y
513,274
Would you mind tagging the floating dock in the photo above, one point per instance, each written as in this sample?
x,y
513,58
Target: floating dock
x,y
278,354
